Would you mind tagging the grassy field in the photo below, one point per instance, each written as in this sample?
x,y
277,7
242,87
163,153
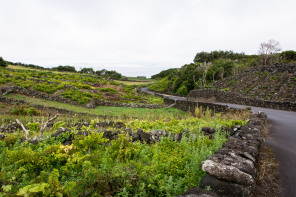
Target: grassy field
x,y
33,69
138,83
121,112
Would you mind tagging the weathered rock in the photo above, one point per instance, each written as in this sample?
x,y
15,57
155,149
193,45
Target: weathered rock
x,y
85,133
228,173
161,133
145,137
178,136
60,131
119,125
67,142
232,159
129,131
2,136
225,189
209,130
108,135
136,137
33,141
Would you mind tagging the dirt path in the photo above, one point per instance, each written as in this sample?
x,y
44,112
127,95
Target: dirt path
x,y
282,141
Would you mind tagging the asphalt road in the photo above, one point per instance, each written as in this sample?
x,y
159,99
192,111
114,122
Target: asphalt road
x,y
282,141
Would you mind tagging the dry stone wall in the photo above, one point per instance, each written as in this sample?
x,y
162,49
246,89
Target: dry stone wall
x,y
229,97
231,171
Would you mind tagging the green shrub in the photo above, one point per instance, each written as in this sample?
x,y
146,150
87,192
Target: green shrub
x,y
3,63
77,95
111,90
80,96
81,85
225,89
49,88
24,110
182,90
160,85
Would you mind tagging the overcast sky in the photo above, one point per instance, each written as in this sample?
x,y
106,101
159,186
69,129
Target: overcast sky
x,y
139,37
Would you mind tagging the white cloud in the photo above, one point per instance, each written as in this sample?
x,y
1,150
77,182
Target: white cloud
x,y
151,34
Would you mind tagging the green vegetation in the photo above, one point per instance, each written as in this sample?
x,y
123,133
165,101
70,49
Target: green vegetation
x,y
3,63
79,96
49,88
124,113
82,88
111,90
160,85
225,89
207,68
93,165
288,56
24,110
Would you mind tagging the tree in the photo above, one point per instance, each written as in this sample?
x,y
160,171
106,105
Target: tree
x,y
65,68
3,63
87,70
267,51
288,56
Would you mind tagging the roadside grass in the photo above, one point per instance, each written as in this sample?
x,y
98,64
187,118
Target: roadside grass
x,y
121,112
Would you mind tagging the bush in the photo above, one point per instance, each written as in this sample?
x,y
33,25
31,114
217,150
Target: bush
x,y
182,90
111,90
24,110
3,63
160,85
79,96
49,88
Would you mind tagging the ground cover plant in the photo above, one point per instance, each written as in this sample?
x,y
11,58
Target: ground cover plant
x,y
95,166
79,87
108,112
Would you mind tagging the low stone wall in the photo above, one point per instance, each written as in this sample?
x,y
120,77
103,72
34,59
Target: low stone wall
x,y
229,97
231,171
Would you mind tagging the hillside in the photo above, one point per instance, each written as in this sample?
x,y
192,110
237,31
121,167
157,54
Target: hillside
x,y
58,137
76,88
276,83
208,67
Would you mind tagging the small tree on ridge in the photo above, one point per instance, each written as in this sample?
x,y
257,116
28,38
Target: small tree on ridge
x,y
267,51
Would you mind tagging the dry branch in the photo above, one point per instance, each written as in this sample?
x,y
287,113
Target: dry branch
x,y
23,128
44,125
